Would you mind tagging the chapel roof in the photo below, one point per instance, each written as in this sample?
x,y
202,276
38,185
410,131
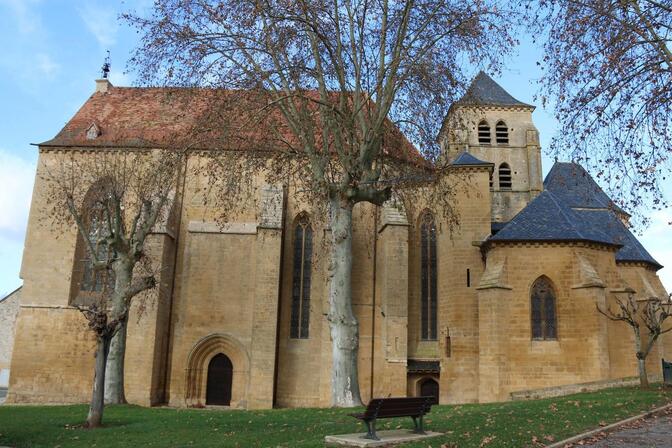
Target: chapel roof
x,y
485,91
135,117
576,188
546,218
574,208
467,159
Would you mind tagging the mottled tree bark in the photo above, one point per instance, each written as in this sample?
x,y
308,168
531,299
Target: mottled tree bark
x,y
641,360
114,378
95,416
342,321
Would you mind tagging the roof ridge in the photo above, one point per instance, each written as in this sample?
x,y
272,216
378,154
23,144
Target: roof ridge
x,y
561,208
483,90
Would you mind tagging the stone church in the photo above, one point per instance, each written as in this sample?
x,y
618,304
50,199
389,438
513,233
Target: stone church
x,y
501,305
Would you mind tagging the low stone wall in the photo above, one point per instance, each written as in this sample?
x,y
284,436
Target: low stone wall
x,y
557,391
9,308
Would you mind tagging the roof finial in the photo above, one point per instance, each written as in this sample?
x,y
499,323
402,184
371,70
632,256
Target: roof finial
x,y
105,70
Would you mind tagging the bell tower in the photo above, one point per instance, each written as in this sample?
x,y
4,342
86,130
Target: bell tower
x,y
495,127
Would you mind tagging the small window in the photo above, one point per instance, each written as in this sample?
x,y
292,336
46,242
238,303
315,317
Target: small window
x,y
502,133
428,274
484,133
303,254
544,321
504,177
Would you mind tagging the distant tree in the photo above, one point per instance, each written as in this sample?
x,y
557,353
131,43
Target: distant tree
x,y
325,83
608,72
115,200
652,313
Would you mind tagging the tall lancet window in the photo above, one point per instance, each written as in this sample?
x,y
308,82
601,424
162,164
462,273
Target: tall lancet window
x,y
544,321
88,283
303,254
428,275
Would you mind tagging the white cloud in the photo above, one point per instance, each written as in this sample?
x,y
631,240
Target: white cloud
x,y
27,20
11,252
17,177
120,79
47,65
101,21
657,239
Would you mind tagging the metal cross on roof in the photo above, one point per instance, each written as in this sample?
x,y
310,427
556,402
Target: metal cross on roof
x,y
106,66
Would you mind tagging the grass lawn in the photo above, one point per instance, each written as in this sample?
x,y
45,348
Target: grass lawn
x,y
511,424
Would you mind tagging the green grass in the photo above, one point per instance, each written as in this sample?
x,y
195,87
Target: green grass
x,y
511,424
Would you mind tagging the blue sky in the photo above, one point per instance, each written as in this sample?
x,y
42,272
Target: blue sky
x,y
52,51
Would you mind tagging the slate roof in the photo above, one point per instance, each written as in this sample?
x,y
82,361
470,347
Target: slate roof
x,y
572,184
611,225
138,117
574,208
484,90
546,218
465,158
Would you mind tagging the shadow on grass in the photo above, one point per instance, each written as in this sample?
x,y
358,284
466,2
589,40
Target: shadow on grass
x,y
510,424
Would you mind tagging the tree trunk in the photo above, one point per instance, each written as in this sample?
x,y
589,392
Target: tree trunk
x,y
114,383
342,321
643,378
114,380
641,360
95,417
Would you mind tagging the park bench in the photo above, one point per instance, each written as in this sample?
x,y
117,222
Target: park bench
x,y
414,407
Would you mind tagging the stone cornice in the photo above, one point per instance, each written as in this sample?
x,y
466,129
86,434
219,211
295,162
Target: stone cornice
x,y
489,244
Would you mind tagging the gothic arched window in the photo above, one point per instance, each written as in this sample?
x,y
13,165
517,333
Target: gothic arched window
x,y
89,283
543,315
484,133
504,177
501,133
302,263
428,275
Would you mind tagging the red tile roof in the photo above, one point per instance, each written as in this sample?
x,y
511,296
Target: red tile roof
x,y
130,117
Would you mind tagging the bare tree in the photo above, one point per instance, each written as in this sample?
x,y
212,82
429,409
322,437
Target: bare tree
x,y
608,72
99,322
115,199
652,313
316,91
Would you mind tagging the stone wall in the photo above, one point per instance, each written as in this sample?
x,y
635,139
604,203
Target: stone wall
x,y
583,276
227,289
550,392
9,310
53,357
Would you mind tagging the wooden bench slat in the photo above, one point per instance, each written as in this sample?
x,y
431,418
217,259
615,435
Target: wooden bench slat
x,y
415,407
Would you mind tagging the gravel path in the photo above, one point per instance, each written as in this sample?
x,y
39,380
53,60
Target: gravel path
x,y
654,432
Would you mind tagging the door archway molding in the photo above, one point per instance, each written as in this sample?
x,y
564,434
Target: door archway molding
x,y
199,358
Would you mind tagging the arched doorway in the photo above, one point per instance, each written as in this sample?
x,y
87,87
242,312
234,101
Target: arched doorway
x,y
220,379
430,388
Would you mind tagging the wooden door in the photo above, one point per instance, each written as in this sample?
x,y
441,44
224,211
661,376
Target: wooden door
x,y
220,378
430,388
